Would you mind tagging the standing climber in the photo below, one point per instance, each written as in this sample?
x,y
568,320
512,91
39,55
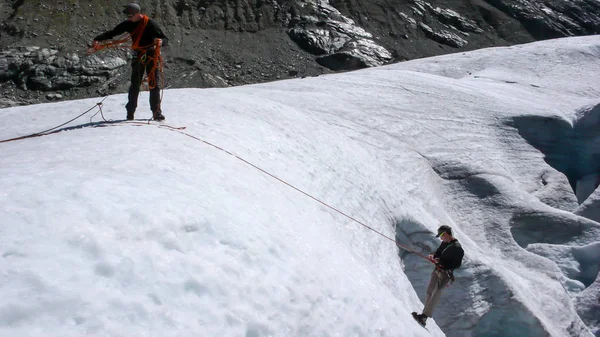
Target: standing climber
x,y
147,38
446,258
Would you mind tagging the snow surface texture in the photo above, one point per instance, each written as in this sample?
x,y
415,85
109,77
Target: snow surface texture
x,y
132,230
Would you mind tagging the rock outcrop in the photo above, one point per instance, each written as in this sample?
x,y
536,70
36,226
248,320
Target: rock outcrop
x,y
224,43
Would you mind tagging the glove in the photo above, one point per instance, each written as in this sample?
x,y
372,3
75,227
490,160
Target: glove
x,y
433,259
93,48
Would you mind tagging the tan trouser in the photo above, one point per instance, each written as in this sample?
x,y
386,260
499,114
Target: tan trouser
x,y
437,283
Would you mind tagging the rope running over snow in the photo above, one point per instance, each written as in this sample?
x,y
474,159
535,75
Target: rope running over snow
x,y
180,130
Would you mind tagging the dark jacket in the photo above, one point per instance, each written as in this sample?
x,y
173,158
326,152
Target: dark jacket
x,y
450,255
151,32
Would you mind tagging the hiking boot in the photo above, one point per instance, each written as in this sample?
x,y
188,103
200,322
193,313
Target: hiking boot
x,y
158,116
420,318
129,116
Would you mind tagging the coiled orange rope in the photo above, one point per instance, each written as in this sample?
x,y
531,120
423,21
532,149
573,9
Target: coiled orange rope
x,y
157,64
135,36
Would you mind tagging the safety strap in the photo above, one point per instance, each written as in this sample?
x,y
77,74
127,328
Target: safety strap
x,y
450,245
136,35
448,272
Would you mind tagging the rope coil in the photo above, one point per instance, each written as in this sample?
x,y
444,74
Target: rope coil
x,y
155,59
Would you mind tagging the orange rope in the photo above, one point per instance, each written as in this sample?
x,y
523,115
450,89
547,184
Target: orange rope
x,y
157,64
110,44
135,37
137,34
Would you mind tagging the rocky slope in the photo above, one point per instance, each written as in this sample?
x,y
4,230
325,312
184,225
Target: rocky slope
x,y
225,42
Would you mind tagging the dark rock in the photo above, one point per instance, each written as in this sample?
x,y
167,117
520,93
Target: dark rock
x,y
341,61
208,39
346,45
553,19
444,37
40,69
54,96
452,18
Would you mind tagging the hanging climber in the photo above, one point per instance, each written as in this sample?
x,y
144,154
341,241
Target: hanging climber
x,y
147,38
446,258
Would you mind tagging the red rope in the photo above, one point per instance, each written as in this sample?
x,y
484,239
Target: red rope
x,y
179,130
301,191
53,130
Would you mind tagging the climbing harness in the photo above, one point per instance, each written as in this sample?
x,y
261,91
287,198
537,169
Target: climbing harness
x,y
447,272
448,246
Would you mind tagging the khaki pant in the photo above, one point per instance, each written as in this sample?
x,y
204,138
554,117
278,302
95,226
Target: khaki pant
x,y
437,283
